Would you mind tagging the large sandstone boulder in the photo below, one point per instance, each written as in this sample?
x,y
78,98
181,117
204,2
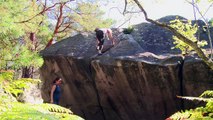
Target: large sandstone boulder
x,y
156,39
127,82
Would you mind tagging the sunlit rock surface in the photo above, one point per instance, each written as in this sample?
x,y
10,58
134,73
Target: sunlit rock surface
x,y
31,94
128,82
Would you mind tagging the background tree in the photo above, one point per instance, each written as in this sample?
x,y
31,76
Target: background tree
x,y
30,26
69,17
17,50
187,29
88,16
26,27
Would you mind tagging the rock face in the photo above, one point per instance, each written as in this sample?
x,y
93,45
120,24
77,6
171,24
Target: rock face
x,y
155,39
127,82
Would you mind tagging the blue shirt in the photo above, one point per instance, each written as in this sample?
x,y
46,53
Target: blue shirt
x,y
57,94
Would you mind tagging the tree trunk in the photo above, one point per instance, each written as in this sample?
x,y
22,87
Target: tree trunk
x,y
58,24
27,72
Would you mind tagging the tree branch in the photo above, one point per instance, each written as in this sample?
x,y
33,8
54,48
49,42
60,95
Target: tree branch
x,y
45,8
125,6
66,27
124,22
40,13
206,22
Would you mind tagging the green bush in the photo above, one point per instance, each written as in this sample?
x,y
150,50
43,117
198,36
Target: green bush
x,y
199,113
10,109
14,87
20,111
128,30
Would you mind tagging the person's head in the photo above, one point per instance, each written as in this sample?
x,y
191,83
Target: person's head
x,y
96,29
57,81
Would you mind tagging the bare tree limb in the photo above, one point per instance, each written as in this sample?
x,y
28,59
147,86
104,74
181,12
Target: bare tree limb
x,y
194,11
66,27
207,24
45,8
196,98
124,22
208,9
73,10
116,8
125,6
40,13
58,24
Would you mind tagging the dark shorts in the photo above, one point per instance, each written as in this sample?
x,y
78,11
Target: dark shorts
x,y
56,99
101,42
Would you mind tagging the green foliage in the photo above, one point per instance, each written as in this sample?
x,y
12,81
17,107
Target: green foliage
x,y
185,115
20,111
89,15
128,30
14,87
10,109
55,108
27,58
188,31
6,75
207,94
197,1
211,22
21,56
199,113
17,50
10,13
9,31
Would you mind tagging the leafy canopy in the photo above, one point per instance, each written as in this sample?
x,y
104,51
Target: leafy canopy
x,y
188,30
88,16
15,44
10,109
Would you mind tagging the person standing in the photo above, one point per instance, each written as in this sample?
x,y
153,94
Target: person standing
x,y
102,34
55,93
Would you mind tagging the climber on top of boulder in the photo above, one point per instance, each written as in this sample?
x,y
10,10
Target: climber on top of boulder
x,y
101,35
